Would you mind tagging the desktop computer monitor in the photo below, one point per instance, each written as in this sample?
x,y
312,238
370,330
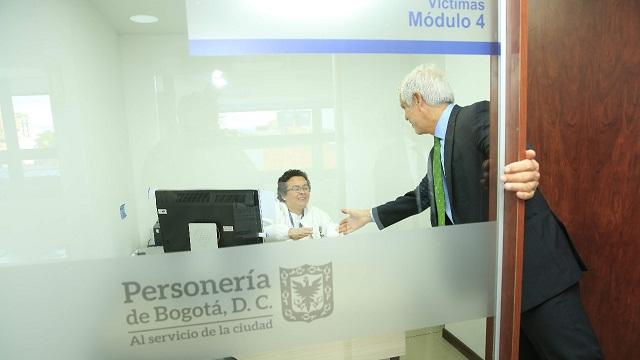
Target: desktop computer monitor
x,y
235,213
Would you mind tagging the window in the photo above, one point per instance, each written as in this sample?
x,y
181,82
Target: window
x,y
40,167
328,120
311,146
34,121
27,138
271,122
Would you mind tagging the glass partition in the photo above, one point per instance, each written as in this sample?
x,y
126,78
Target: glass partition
x,y
98,113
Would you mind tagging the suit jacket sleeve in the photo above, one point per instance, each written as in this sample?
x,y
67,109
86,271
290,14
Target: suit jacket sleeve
x,y
409,204
551,263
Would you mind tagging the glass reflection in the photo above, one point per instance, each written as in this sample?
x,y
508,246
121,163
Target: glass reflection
x,y
264,123
342,125
93,121
34,121
3,140
41,167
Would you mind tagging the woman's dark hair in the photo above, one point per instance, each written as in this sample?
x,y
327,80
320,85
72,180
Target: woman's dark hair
x,y
282,181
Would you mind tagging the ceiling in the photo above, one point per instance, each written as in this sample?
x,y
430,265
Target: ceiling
x,y
172,15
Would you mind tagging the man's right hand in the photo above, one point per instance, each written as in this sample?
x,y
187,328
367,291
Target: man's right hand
x,y
522,176
356,218
299,233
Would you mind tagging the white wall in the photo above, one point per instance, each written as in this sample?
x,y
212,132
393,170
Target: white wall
x,y
66,49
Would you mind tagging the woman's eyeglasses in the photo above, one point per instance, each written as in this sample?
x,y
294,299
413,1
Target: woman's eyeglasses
x,y
297,188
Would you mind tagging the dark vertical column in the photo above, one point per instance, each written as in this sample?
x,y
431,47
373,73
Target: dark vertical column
x,y
584,122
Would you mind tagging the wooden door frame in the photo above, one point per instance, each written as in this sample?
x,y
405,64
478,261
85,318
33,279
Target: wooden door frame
x,y
515,53
514,60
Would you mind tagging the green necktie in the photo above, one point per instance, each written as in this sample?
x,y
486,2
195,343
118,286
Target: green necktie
x,y
437,181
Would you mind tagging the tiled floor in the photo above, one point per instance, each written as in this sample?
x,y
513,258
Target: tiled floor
x,y
426,344
423,344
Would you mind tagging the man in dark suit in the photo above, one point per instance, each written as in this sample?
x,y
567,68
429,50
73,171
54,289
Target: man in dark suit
x,y
553,322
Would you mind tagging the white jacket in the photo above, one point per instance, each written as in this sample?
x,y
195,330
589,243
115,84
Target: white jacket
x,y
312,217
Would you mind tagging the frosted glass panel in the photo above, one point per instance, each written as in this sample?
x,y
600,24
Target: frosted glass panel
x,y
245,300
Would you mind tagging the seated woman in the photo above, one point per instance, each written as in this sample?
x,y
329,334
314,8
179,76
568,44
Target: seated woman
x,y
295,219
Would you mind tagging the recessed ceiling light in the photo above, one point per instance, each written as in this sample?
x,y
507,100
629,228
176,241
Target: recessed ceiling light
x,y
143,19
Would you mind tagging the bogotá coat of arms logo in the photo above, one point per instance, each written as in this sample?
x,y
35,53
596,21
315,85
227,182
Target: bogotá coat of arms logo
x,y
306,292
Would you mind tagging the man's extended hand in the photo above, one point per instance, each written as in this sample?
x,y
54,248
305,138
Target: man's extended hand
x,y
299,233
356,218
522,176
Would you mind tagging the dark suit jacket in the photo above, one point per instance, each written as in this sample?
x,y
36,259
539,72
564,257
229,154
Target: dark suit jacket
x,y
550,263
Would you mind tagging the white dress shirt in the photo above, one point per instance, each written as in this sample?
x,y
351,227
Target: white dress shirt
x,y
311,217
